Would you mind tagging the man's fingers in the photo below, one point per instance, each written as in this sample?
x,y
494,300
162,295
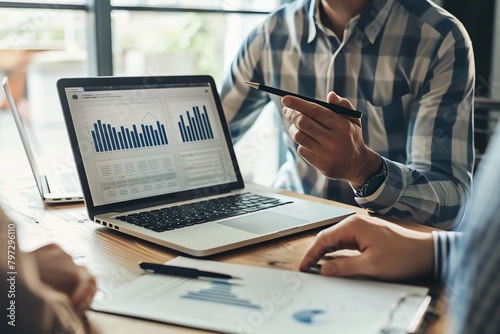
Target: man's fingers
x,y
306,137
345,266
85,289
312,110
308,155
304,130
333,98
307,133
314,253
339,236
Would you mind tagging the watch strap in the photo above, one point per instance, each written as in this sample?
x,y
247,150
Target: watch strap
x,y
373,183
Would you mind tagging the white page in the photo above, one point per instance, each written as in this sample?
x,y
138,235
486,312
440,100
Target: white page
x,y
265,301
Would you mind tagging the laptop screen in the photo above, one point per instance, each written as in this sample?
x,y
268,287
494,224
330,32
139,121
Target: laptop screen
x,y
141,141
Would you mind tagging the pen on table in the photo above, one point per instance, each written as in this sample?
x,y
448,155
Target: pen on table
x,y
159,268
333,107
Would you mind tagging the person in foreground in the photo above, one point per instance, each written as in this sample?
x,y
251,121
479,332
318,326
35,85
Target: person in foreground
x,y
43,291
406,65
468,261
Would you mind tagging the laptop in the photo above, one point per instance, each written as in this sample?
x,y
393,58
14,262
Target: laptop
x,y
156,161
57,181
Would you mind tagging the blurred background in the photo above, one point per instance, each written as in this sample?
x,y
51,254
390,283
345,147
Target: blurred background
x,y
43,40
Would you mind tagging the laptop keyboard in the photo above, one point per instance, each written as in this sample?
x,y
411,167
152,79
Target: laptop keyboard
x,y
175,217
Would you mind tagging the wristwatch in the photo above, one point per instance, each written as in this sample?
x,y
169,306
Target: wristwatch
x,y
373,183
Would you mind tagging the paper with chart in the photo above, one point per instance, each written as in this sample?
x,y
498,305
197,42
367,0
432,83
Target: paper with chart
x,y
264,301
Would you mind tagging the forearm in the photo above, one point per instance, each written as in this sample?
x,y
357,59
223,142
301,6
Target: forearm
x,y
242,104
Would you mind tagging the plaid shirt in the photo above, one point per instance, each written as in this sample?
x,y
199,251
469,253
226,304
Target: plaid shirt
x,y
445,251
469,261
407,65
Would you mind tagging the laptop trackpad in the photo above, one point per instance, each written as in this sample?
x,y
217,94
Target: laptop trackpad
x,y
264,223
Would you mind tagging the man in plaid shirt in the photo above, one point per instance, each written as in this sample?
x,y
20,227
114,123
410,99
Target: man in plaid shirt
x,y
407,65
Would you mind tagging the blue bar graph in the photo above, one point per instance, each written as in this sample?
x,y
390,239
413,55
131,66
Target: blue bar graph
x,y
195,126
220,293
108,138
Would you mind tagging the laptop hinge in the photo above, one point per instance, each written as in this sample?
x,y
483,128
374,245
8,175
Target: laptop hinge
x,y
45,184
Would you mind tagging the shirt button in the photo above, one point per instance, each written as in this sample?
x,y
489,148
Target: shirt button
x,y
339,61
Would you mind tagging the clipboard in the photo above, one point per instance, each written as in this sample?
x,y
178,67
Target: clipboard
x,y
268,300
417,319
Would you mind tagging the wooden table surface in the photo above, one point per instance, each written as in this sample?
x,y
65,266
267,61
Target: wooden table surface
x,y
114,257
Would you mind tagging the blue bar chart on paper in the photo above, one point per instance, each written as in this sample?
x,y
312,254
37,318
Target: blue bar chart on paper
x,y
195,125
220,293
150,132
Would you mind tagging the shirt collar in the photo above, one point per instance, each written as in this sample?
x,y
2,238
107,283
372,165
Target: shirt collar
x,y
313,17
373,18
370,20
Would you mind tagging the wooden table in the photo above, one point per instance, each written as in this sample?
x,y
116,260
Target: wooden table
x,y
112,256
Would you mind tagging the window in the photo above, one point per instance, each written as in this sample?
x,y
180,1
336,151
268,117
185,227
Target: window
x,y
224,5
44,40
156,43
41,41
37,47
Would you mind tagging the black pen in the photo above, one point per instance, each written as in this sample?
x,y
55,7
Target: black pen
x,y
182,271
333,107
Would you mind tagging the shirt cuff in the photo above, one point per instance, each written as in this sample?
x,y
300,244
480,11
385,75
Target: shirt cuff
x,y
445,244
390,191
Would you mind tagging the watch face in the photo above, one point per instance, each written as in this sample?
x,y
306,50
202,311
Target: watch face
x,y
373,183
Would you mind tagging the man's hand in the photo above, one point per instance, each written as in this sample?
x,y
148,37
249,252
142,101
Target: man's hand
x,y
57,269
332,143
387,250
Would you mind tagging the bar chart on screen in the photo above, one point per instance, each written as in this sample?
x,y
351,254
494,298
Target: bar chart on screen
x,y
136,128
194,121
107,137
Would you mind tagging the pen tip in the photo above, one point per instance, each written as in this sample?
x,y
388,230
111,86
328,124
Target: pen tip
x,y
252,84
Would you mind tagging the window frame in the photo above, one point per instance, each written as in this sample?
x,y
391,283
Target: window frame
x,y
98,27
